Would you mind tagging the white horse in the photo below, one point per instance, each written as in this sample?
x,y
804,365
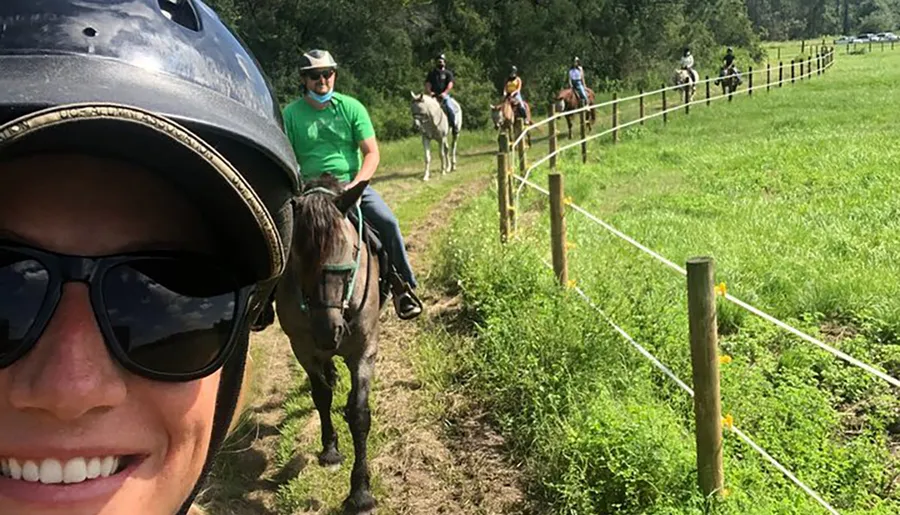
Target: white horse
x,y
689,78
431,120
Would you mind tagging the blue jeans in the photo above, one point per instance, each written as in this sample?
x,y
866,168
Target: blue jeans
x,y
383,220
451,116
578,86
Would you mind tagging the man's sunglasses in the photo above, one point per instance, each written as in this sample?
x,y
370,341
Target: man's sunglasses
x,y
167,316
318,74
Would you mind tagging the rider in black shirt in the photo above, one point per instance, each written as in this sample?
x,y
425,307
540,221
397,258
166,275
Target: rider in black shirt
x,y
439,83
728,62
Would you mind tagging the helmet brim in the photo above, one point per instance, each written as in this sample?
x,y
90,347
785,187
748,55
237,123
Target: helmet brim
x,y
231,208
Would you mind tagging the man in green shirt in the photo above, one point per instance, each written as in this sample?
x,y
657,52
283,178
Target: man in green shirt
x,y
332,133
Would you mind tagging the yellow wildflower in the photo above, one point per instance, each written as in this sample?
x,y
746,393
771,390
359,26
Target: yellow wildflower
x,y
721,290
728,421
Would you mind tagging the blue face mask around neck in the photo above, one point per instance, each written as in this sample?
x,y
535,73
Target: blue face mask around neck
x,y
321,98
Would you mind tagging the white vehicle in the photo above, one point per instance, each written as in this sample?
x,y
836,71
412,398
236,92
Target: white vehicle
x,y
843,40
888,36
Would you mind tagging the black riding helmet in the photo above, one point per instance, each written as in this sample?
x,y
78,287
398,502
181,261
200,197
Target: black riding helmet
x,y
165,84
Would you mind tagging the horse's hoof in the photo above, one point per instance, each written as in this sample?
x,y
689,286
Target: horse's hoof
x,y
359,503
330,458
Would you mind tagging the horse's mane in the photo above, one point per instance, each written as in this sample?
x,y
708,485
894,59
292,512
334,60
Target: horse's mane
x,y
317,224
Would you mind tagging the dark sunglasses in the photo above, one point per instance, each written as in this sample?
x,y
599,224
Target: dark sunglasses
x,y
316,75
167,316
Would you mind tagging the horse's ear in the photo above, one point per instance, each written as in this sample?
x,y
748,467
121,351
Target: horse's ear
x,y
413,95
348,198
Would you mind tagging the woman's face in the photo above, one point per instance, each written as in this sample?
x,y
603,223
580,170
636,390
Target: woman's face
x,y
67,400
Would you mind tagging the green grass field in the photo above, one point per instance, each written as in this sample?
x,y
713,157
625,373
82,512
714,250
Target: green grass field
x,y
793,193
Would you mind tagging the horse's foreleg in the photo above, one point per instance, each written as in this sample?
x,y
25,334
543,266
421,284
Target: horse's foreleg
x,y
453,153
445,155
359,418
427,145
322,378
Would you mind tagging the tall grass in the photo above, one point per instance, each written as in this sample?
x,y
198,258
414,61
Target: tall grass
x,y
792,193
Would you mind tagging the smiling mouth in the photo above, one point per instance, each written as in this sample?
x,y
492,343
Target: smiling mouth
x,y
52,471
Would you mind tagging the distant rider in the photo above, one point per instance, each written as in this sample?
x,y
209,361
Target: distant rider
x,y
576,81
438,84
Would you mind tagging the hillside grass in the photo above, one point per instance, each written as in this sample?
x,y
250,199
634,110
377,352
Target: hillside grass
x,y
793,193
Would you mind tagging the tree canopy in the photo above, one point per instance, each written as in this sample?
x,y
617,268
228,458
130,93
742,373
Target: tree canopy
x,y
386,47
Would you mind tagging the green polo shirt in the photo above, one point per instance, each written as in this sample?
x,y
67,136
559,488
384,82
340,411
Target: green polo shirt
x,y
327,140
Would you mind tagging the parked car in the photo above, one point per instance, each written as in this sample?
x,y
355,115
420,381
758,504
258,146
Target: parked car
x,y
888,36
843,40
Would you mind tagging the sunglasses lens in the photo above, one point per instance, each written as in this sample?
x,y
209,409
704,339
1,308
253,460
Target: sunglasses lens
x,y
171,316
24,283
318,75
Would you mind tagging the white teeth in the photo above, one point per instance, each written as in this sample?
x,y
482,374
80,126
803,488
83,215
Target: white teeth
x,y
30,471
15,471
75,471
93,468
106,466
52,471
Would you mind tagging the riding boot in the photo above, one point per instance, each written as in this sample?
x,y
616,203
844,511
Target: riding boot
x,y
406,303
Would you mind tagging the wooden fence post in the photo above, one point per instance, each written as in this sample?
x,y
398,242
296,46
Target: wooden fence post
x,y
801,69
705,367
792,71
558,229
870,46
641,105
750,81
802,46
615,118
581,121
553,136
518,128
687,101
665,114
503,186
768,76
707,90
809,66
510,190
780,73
779,53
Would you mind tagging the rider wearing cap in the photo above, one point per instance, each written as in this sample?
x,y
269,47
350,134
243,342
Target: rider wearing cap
x,y
145,215
512,89
728,62
687,63
438,83
576,81
332,133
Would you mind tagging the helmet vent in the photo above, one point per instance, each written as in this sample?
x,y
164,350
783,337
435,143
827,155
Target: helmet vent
x,y
181,12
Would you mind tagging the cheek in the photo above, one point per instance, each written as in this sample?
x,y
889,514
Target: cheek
x,y
185,412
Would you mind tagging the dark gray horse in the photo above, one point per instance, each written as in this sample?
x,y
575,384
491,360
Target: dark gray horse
x,y
328,302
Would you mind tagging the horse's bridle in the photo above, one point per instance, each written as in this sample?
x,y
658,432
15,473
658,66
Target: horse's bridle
x,y
351,268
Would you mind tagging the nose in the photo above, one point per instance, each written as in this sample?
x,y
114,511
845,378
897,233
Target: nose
x,y
69,372
329,330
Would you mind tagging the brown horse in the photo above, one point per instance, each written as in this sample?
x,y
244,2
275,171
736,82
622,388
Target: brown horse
x,y
568,100
504,116
328,302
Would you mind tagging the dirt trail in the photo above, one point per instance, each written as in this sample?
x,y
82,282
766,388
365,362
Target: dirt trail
x,y
433,461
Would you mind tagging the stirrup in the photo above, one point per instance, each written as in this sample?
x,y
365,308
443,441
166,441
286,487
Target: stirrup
x,y
416,308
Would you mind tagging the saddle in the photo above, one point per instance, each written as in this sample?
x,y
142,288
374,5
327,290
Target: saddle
x,y
376,248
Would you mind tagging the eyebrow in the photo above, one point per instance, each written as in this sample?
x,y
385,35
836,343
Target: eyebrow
x,y
135,246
